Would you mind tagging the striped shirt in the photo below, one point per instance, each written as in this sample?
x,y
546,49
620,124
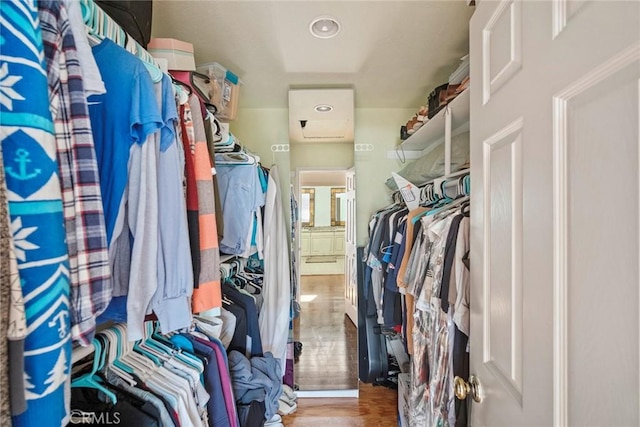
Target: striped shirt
x,y
79,177
207,292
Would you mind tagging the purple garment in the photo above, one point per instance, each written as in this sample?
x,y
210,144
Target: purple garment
x,y
225,381
289,372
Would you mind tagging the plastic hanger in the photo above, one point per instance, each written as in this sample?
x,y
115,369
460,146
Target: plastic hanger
x,y
141,366
449,206
89,380
182,85
237,158
164,343
117,342
109,353
205,98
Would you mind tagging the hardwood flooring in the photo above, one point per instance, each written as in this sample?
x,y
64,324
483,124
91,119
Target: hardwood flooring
x,y
376,407
329,361
329,358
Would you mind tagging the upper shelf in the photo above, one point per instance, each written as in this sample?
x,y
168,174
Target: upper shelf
x,y
432,132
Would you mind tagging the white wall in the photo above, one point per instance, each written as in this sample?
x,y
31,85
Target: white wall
x,y
258,129
379,127
325,155
327,178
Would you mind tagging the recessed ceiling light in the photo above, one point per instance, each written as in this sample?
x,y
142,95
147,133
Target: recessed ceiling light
x,y
323,108
324,27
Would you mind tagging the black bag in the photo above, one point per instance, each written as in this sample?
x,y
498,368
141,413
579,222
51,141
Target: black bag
x,y
134,16
434,102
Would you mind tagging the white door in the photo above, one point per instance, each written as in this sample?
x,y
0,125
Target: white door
x,y
351,274
555,234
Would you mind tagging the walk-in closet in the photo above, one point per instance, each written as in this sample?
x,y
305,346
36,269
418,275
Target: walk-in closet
x,y
270,213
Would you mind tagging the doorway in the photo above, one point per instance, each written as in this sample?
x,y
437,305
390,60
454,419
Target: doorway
x,y
327,364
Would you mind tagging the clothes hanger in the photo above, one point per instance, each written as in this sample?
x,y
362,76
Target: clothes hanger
x,y
147,351
108,354
166,345
466,209
143,365
182,85
237,158
117,342
448,207
225,271
205,98
90,380
166,350
89,17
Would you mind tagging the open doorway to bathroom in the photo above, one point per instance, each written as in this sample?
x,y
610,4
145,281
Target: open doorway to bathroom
x,y
328,362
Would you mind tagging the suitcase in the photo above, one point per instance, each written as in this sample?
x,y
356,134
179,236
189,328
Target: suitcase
x,y
373,366
134,16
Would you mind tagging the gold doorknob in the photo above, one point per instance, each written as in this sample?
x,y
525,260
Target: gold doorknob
x,y
463,388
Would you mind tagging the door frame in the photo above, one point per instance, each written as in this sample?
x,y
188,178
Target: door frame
x,y
296,188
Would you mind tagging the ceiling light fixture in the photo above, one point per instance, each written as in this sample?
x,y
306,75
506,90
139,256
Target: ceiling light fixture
x,y
323,108
324,27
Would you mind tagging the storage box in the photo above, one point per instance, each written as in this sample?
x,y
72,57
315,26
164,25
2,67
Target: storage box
x,y
229,85
179,54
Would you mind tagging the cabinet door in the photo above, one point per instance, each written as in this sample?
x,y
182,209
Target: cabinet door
x,y
338,242
305,244
321,243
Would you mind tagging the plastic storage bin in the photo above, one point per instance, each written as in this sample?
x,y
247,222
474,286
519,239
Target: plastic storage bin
x,y
230,87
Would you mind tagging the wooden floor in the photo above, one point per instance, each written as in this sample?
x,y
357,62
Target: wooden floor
x,y
329,361
376,407
329,358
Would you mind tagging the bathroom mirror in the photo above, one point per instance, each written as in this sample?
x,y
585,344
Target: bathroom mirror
x,y
338,206
307,206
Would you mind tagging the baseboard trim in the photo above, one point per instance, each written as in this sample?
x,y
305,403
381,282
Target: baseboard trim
x,y
327,393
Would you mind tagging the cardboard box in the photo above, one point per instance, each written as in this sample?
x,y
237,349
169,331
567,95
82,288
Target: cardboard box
x,y
179,54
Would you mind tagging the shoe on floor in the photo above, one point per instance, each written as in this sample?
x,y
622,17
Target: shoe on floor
x,y
285,408
275,421
284,398
289,393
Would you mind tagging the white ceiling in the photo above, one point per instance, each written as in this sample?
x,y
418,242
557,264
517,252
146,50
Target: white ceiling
x,y
392,53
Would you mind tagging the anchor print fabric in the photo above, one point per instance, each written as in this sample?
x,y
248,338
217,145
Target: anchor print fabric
x,y
35,209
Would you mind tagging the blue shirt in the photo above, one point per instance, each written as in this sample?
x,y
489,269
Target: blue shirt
x,y
125,115
241,195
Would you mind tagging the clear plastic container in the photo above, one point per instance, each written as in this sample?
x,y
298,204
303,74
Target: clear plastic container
x,y
229,88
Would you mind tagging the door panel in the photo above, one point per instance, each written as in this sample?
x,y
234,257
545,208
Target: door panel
x,y
599,244
555,231
503,237
502,46
351,274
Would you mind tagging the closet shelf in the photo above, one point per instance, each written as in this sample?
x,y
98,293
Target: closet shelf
x,y
432,132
